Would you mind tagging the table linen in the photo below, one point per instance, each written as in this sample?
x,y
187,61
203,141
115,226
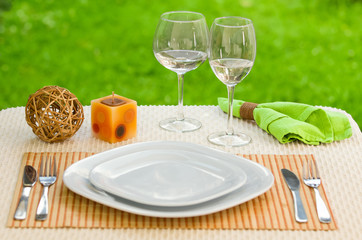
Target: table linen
x,y
339,162
289,121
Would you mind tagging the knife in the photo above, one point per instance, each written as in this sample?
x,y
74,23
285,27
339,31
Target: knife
x,y
29,179
293,183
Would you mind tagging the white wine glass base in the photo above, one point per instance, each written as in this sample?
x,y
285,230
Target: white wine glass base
x,y
229,140
185,125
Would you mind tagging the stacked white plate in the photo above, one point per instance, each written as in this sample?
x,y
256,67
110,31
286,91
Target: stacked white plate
x,y
168,179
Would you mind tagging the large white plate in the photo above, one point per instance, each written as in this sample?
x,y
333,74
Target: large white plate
x,y
167,177
259,180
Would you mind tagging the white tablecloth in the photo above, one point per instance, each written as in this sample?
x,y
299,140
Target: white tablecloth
x,y
340,164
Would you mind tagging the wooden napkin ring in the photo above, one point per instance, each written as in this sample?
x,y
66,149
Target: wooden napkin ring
x,y
246,110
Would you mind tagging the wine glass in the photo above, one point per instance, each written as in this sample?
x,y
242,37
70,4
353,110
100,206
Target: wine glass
x,y
232,55
181,44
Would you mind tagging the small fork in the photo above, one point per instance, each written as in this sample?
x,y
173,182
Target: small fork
x,y
46,179
312,179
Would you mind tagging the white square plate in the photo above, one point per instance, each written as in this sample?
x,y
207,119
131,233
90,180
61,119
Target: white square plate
x,y
259,180
167,177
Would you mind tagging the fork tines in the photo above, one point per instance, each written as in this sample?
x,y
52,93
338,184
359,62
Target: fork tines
x,y
310,169
48,171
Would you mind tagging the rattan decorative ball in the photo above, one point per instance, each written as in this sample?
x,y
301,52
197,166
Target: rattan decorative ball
x,y
54,113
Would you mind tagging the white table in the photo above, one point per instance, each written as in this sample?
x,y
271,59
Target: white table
x,y
340,164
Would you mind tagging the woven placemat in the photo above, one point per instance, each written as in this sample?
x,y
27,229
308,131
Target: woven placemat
x,y
271,210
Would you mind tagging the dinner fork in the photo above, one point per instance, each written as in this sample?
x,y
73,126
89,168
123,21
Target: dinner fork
x,y
312,179
46,178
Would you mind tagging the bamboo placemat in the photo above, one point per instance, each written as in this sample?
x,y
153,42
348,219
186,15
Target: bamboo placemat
x,y
271,210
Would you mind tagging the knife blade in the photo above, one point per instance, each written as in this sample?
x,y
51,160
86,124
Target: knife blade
x,y
29,179
293,184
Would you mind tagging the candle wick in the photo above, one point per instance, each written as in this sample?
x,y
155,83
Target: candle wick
x,y
112,96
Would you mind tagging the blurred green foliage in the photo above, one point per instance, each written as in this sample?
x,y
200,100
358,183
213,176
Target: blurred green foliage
x,y
5,5
307,51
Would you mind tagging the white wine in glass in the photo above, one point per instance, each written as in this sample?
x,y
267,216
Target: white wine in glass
x,y
232,55
181,44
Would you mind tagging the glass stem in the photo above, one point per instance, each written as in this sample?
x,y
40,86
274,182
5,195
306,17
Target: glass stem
x,y
180,112
230,129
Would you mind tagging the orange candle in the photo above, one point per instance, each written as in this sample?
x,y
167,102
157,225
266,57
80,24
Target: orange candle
x,y
114,118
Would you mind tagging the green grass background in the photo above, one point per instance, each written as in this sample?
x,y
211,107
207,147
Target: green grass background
x,y
307,51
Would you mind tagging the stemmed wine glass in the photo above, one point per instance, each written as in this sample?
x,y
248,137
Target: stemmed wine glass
x,y
181,44
232,55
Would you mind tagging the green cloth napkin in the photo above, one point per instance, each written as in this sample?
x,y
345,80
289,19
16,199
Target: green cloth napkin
x,y
288,121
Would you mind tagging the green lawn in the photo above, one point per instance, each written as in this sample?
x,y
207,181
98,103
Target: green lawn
x,y
307,51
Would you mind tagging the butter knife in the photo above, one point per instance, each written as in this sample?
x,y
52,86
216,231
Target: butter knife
x,y
29,179
293,183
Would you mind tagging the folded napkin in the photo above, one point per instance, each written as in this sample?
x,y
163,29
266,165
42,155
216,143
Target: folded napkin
x,y
288,121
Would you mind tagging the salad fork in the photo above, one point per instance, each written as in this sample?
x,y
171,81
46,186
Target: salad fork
x,y
46,178
312,179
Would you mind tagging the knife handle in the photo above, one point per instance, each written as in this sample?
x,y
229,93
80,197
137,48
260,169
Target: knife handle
x,y
300,215
20,213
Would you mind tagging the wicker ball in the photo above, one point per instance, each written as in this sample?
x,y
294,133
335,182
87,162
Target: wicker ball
x,y
54,113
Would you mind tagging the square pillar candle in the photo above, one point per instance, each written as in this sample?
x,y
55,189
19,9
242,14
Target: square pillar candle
x,y
114,118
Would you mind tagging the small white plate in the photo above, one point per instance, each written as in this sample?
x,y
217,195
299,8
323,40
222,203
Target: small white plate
x,y
167,177
259,180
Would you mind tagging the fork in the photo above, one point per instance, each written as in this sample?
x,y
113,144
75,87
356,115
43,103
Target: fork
x,y
46,178
312,179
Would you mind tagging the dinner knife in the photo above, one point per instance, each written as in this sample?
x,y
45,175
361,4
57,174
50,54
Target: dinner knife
x,y
293,183
29,179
